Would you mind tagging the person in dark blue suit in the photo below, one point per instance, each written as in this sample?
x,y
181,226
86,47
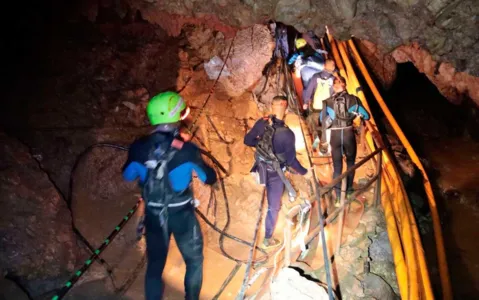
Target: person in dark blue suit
x,y
282,143
164,164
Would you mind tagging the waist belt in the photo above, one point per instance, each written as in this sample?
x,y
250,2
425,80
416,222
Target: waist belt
x,y
280,170
337,128
190,200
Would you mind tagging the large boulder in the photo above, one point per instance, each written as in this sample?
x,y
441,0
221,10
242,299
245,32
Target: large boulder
x,y
251,51
38,245
289,284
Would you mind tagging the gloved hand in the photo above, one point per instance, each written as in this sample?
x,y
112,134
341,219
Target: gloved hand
x,y
358,114
316,143
309,174
323,148
140,228
298,64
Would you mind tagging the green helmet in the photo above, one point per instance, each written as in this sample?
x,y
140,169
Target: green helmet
x,y
164,108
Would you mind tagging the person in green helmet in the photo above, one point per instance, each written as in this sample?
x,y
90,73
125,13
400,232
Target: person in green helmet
x,y
164,162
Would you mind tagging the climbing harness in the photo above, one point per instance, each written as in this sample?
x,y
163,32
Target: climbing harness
x,y
96,252
265,153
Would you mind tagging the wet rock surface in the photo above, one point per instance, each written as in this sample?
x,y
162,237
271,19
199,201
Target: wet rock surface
x,y
364,266
11,291
38,244
289,284
445,28
453,83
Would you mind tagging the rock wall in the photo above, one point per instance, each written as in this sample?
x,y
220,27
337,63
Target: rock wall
x,y
375,279
38,244
440,32
453,84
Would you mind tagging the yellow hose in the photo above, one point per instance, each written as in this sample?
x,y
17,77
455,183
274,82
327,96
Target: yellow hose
x,y
441,253
399,207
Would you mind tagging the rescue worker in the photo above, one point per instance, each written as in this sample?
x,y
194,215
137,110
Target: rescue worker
x,y
307,61
319,89
163,162
275,146
338,114
280,35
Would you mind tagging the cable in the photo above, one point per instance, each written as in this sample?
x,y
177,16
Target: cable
x,y
318,198
227,280
251,253
108,240
213,87
263,258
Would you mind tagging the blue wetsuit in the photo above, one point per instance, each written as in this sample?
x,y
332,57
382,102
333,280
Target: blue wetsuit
x,y
284,143
343,140
182,222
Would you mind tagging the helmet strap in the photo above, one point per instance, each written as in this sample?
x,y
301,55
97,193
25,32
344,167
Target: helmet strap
x,y
169,127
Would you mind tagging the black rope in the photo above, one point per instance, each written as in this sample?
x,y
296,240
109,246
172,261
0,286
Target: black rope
x,y
263,258
69,284
318,199
213,87
251,254
227,280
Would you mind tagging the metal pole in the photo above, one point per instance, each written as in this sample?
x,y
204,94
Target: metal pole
x,y
377,192
251,253
287,243
341,216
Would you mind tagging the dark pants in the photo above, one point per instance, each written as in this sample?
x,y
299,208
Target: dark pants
x,y
274,191
187,232
313,121
343,142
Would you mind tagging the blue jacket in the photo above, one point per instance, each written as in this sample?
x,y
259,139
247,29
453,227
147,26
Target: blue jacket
x,y
283,142
181,166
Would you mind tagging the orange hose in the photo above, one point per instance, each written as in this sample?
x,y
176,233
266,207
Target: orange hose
x,y
401,211
441,253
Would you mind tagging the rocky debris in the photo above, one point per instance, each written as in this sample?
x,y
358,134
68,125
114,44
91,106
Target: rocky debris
x,y
289,284
38,244
368,244
377,288
405,163
135,101
382,263
205,41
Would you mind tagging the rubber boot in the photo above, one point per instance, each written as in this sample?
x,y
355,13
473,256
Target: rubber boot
x,y
270,243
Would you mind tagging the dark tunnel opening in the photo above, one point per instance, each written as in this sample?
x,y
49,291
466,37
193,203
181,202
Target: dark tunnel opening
x,y
445,136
